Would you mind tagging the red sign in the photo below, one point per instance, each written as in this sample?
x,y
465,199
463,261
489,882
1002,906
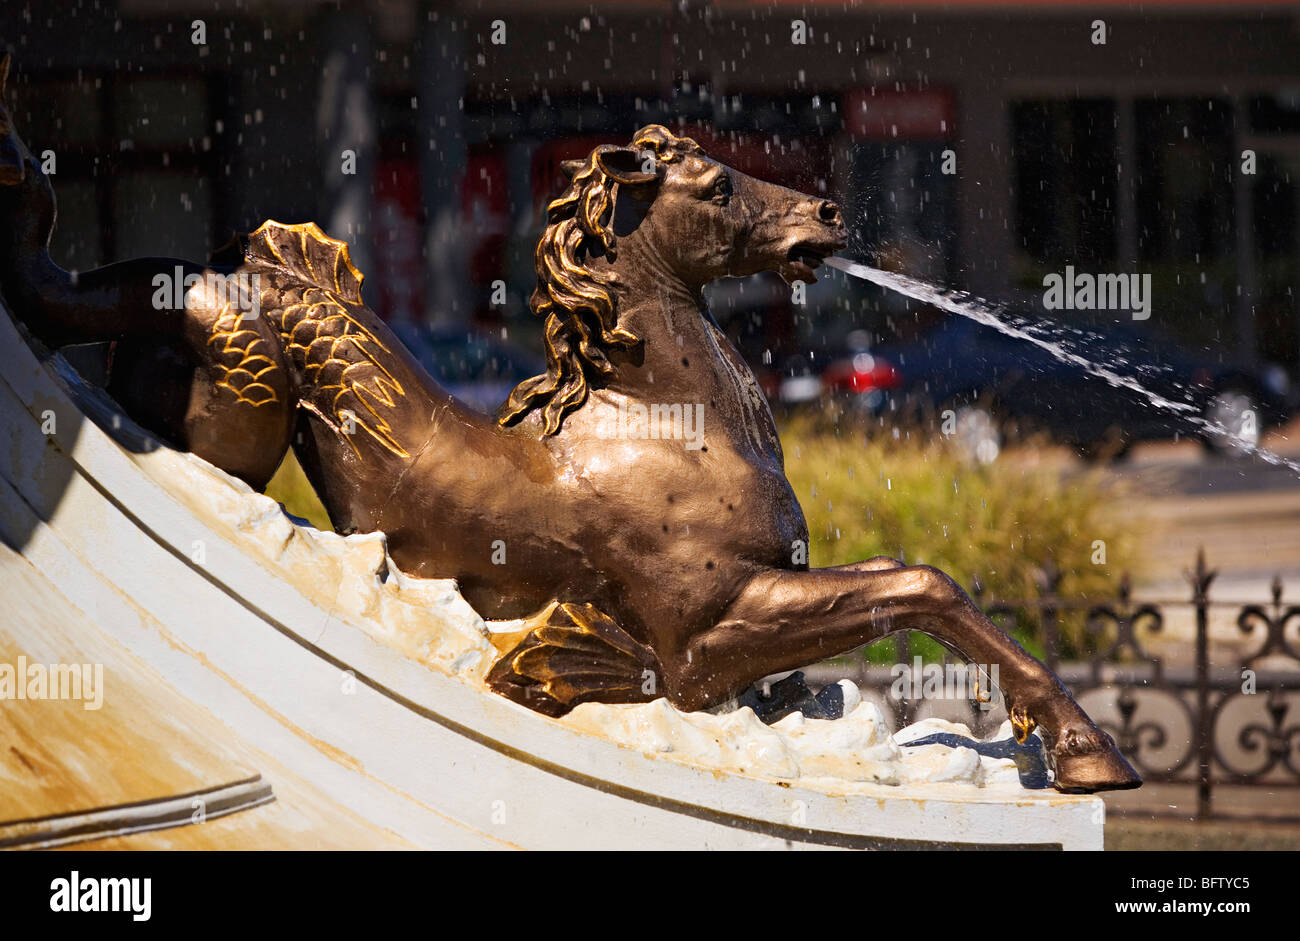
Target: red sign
x,y
399,267
485,205
881,114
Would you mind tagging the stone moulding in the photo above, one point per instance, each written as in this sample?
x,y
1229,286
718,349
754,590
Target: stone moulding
x,y
139,817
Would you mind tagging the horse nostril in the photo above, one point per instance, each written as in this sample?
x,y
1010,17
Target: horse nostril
x,y
828,212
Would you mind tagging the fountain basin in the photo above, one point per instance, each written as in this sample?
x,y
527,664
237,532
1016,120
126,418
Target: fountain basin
x,y
326,665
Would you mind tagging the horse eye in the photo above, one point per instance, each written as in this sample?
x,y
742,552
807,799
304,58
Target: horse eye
x,y
722,189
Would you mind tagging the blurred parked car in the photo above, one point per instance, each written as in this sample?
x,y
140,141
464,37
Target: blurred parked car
x,y
848,371
476,367
991,383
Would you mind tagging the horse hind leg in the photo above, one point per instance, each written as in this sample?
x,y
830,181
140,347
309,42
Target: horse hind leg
x,y
569,654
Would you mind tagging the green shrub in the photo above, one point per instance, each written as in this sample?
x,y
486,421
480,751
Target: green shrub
x,y
295,493
917,499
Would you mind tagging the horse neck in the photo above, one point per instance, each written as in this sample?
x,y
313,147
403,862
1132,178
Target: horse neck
x,y
686,360
678,351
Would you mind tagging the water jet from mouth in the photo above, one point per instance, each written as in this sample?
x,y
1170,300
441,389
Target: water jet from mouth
x,y
988,315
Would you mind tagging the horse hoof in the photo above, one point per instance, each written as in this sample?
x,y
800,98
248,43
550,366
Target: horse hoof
x,y
1089,762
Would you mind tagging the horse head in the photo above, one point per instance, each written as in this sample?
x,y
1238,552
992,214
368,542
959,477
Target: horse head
x,y
686,218
707,221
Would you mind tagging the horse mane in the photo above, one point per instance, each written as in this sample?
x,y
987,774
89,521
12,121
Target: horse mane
x,y
577,302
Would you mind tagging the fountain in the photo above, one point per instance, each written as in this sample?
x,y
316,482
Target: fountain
x,y
362,659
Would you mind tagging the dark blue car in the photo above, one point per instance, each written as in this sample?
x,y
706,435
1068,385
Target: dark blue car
x,y
986,384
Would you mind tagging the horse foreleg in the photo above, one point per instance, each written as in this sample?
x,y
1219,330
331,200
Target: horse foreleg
x,y
784,619
877,563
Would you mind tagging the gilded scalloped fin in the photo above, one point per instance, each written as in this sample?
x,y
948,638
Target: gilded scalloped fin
x,y
239,353
571,654
307,253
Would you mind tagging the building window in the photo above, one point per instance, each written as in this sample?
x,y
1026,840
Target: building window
x,y
1184,179
1066,180
135,167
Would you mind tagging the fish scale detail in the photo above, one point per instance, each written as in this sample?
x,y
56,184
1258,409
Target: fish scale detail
x,y
339,361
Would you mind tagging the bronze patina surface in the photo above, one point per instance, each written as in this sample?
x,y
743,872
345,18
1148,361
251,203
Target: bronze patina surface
x,y
631,501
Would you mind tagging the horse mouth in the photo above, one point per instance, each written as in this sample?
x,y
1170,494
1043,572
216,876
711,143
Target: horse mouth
x,y
803,259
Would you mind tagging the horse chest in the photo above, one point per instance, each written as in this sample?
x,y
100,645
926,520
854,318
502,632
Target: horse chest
x,y
738,401
725,502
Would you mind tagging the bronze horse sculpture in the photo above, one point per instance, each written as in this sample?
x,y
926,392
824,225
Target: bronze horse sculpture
x,y
644,567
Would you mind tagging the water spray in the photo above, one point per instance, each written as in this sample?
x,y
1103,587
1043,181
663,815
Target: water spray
x,y
987,314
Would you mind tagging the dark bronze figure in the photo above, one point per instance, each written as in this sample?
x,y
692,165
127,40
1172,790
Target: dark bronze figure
x,y
660,564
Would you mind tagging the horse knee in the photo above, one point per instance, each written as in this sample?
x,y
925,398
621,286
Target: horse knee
x,y
938,587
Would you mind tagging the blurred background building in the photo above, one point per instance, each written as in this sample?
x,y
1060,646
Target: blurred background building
x,y
976,145
1119,156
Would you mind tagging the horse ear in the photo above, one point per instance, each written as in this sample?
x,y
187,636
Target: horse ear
x,y
4,74
629,166
570,168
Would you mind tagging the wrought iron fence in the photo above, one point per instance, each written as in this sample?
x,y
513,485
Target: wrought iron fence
x,y
1217,718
